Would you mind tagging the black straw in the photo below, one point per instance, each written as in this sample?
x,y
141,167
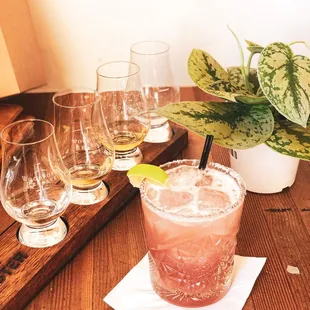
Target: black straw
x,y
205,152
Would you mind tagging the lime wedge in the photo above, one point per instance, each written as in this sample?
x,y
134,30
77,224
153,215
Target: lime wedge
x,y
154,174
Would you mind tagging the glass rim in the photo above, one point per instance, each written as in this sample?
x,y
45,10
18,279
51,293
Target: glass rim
x,y
32,120
150,41
76,90
197,218
129,63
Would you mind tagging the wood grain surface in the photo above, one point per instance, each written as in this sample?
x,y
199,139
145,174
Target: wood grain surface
x,y
283,237
8,113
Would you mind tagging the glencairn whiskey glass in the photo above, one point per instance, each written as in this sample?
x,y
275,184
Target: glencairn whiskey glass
x,y
35,185
125,110
84,142
158,84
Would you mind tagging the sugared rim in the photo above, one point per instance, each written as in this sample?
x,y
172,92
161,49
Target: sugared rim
x,y
76,91
197,218
27,121
166,49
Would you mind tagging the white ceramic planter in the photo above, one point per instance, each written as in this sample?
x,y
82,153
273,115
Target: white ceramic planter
x,y
264,170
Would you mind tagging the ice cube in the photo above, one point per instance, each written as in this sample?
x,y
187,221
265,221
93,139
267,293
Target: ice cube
x,y
172,199
183,176
204,180
151,193
210,198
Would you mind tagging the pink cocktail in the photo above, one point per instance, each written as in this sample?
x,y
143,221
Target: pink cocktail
x,y
191,229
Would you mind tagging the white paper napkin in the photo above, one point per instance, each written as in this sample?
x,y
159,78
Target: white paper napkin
x,y
135,291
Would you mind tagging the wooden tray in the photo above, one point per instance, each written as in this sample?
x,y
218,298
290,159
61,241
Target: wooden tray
x,y
24,271
8,113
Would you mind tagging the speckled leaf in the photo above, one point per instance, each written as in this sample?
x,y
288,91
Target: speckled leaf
x,y
285,81
253,47
236,78
233,125
290,139
208,75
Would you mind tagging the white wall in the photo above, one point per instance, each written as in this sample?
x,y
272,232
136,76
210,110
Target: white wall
x,y
76,36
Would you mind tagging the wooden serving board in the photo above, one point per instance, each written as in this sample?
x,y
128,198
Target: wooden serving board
x,y
8,113
24,271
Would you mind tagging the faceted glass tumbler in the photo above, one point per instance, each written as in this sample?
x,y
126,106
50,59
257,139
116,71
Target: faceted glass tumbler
x,y
191,252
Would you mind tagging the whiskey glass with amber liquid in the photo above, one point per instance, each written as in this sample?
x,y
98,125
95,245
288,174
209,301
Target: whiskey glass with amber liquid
x,y
35,186
84,142
125,110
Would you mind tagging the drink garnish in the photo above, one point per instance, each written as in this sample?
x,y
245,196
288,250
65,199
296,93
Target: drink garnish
x,y
153,174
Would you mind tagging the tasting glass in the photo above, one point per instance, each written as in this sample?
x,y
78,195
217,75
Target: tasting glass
x,y
158,84
35,185
84,143
125,110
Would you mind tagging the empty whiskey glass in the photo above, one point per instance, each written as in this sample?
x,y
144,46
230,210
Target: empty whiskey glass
x,y
84,142
125,110
35,185
158,84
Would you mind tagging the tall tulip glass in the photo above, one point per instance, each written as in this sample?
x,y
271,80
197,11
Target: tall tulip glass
x,y
125,110
158,84
84,143
35,185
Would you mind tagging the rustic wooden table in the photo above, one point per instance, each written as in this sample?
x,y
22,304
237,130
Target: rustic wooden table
x,y
273,226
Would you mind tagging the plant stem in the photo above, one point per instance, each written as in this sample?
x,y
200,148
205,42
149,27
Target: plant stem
x,y
300,42
249,69
244,74
259,92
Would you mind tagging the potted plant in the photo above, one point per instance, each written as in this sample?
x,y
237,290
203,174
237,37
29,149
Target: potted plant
x,y
264,116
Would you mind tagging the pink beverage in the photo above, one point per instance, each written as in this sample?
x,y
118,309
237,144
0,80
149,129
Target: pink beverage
x,y
191,229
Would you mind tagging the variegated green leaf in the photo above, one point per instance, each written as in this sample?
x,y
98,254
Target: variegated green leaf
x,y
208,75
251,43
233,125
252,99
211,77
236,78
290,139
285,81
253,47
